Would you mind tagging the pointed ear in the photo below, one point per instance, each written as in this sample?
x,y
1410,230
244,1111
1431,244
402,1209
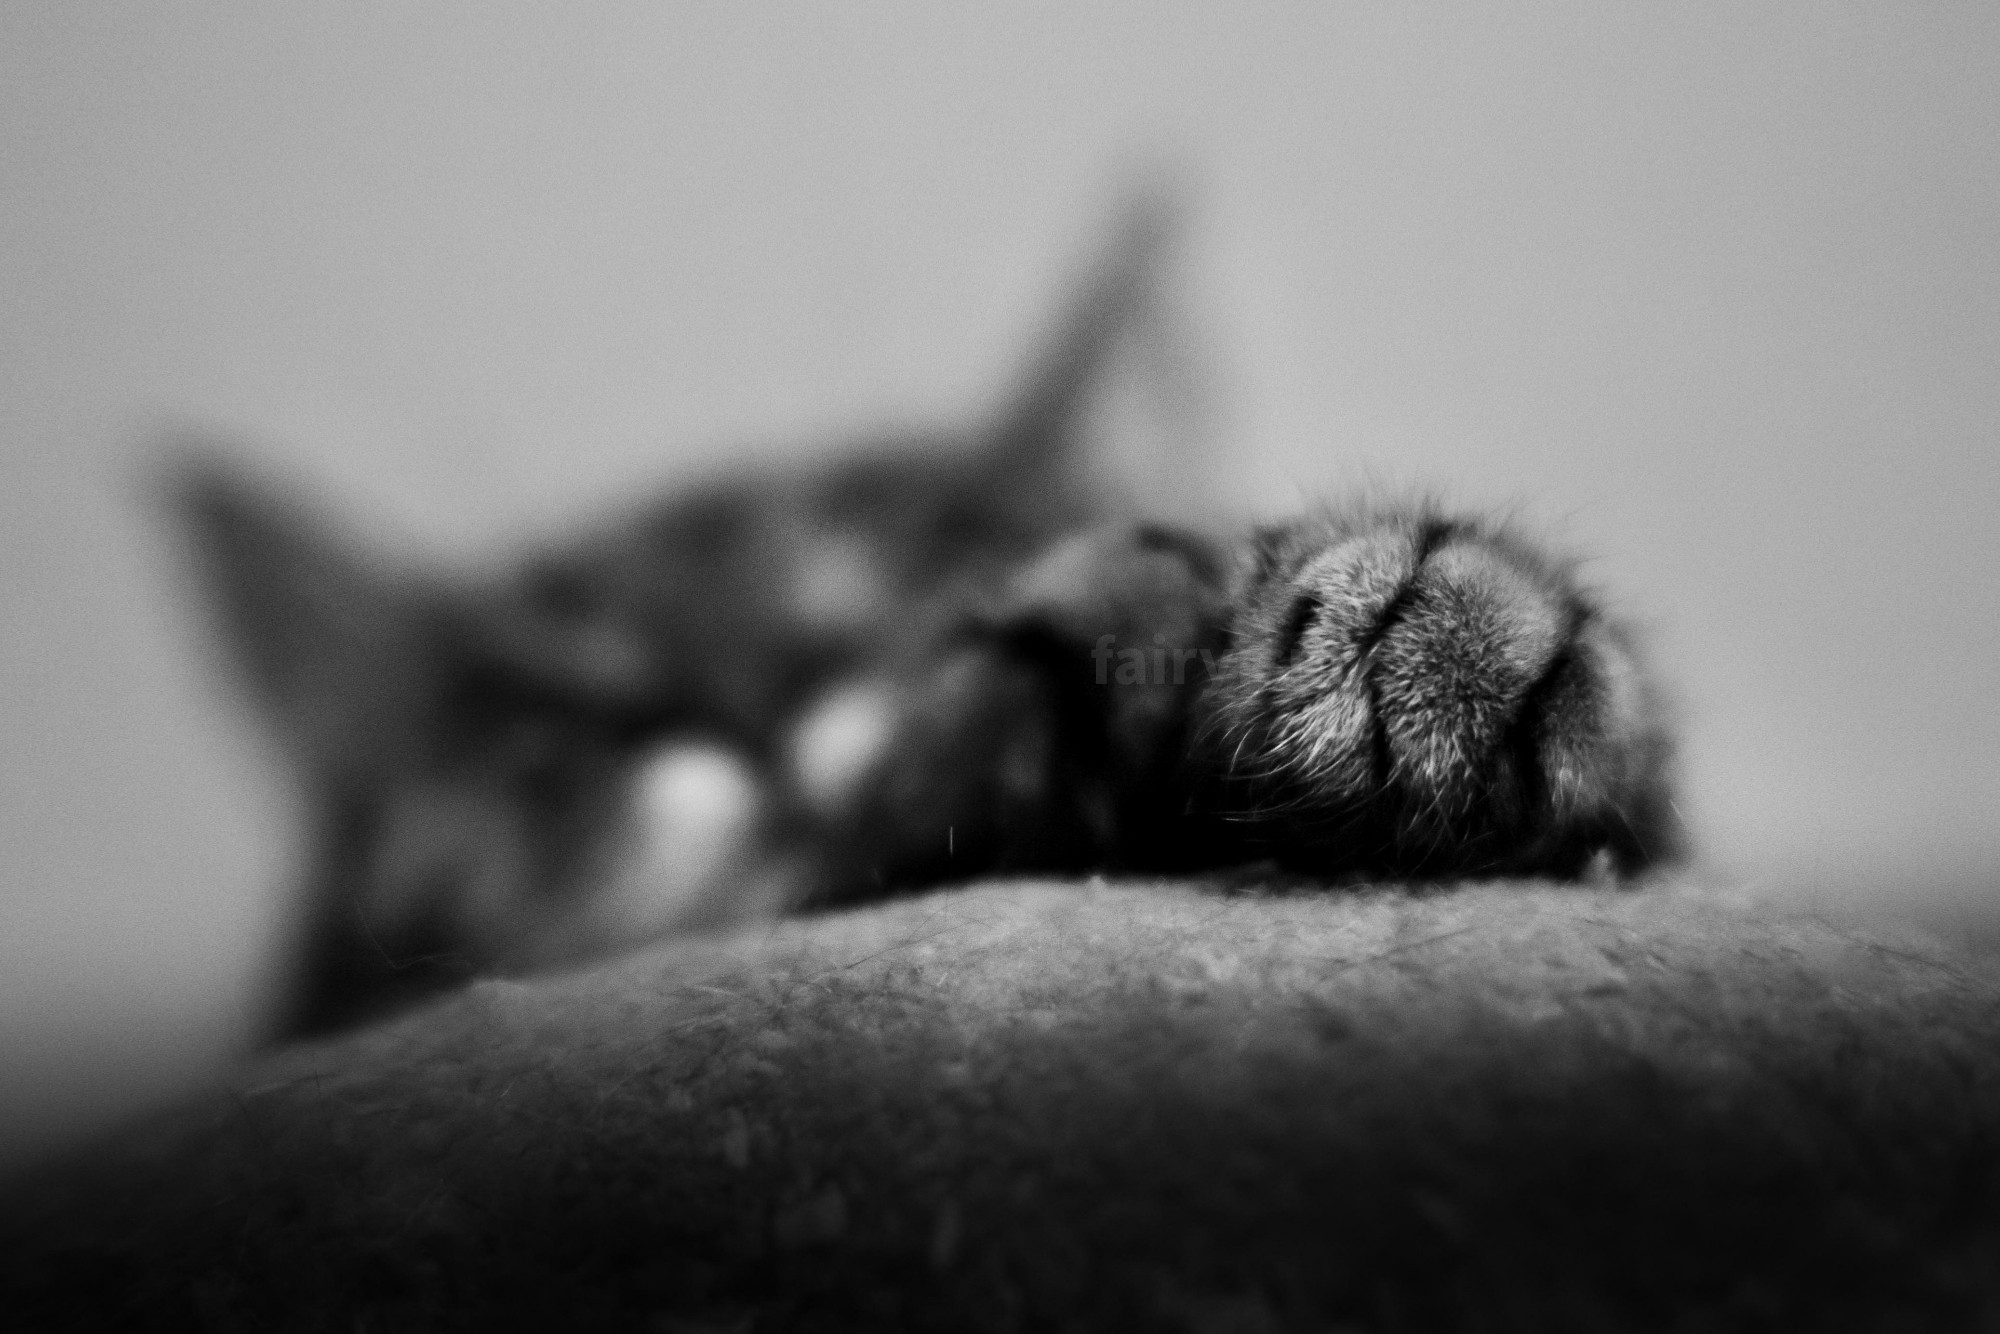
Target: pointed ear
x,y
1106,373
339,653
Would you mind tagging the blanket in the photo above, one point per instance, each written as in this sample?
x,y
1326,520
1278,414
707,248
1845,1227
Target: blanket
x,y
1097,1106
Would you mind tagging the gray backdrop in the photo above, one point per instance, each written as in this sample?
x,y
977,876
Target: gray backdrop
x,y
1711,295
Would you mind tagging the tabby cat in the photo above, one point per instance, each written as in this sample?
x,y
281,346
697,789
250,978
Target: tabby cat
x,y
542,769
913,665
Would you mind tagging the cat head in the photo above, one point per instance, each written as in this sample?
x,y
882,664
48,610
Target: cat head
x,y
470,805
577,754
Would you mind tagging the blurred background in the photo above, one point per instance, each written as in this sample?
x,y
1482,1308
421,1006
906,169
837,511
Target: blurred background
x,y
1710,296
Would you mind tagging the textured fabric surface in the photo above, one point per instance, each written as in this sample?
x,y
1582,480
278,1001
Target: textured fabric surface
x,y
1085,1106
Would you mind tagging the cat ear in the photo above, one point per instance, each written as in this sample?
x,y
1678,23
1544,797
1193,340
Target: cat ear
x,y
1114,387
340,653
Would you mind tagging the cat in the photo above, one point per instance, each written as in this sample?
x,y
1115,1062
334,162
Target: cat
x,y
911,665
1376,690
559,763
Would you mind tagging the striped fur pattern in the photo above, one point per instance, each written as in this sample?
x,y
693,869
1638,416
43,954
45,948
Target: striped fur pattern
x,y
1382,690
919,662
588,751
